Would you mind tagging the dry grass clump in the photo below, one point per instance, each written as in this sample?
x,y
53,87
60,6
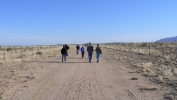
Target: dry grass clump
x,y
150,89
163,71
134,78
146,68
30,77
167,57
174,70
111,54
167,73
9,61
121,57
160,79
149,69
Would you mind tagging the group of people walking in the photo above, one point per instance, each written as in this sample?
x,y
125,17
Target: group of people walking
x,y
90,50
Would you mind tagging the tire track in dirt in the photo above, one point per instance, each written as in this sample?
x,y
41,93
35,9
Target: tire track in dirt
x,y
57,89
115,94
131,95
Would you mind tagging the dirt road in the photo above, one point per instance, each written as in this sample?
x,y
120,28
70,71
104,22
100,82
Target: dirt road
x,y
76,79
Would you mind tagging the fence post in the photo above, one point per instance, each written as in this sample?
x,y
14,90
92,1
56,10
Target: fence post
x,y
21,53
4,54
138,49
166,50
32,51
38,49
149,49
142,50
15,49
176,48
130,47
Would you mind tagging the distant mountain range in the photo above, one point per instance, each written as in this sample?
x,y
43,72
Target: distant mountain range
x,y
169,39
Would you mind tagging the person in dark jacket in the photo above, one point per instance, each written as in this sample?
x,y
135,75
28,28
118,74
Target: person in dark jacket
x,y
98,53
64,53
77,49
82,51
67,47
90,51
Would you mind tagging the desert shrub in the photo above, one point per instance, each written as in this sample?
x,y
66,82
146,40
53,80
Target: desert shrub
x,y
39,53
143,44
25,81
9,49
130,44
167,72
21,56
174,71
161,44
0,48
153,44
25,49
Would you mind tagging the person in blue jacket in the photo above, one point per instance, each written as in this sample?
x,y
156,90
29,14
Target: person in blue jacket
x,y
82,51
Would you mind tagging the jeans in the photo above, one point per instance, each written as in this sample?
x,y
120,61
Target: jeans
x,y
82,54
90,56
63,57
98,56
77,52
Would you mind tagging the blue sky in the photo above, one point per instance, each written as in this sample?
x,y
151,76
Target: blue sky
x,y
49,22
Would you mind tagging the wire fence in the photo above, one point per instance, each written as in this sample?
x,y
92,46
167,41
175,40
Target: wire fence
x,y
147,49
26,52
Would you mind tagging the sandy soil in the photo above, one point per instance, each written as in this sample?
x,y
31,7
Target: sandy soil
x,y
76,79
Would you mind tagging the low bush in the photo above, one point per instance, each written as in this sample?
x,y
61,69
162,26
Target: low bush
x,y
21,56
9,49
143,44
39,53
